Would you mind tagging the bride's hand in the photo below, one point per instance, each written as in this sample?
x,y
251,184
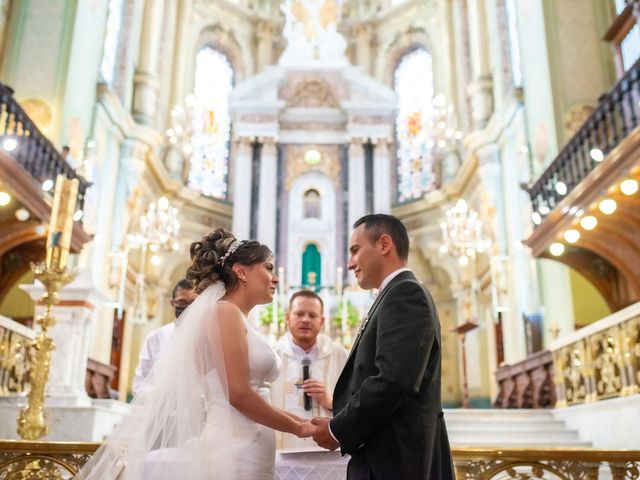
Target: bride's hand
x,y
305,429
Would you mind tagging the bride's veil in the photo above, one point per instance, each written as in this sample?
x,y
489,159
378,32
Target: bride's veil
x,y
179,425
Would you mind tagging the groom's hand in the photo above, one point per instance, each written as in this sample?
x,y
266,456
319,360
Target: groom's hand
x,y
322,436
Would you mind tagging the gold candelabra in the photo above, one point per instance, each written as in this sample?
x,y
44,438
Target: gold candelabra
x,y
54,275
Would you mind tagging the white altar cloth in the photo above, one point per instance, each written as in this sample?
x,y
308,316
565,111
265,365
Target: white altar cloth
x,y
310,464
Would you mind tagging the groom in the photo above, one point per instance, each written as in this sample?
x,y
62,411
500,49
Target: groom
x,y
387,412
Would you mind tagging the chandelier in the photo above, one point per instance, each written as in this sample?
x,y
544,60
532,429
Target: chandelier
x,y
462,233
445,134
159,226
159,230
181,131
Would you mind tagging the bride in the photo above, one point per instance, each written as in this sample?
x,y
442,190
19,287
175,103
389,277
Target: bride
x,y
203,412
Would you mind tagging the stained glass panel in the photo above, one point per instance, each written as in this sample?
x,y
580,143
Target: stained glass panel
x,y
111,40
514,43
209,166
414,87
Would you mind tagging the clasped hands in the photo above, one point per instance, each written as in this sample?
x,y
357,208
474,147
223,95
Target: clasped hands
x,y
318,428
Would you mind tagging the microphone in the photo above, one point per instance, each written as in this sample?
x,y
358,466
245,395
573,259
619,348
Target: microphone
x,y
306,363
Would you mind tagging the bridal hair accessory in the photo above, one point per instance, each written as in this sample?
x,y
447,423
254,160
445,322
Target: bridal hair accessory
x,y
232,248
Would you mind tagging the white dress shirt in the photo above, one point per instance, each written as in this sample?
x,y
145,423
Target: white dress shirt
x,y
391,276
153,346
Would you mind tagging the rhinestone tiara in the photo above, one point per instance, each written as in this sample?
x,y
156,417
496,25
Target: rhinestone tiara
x,y
232,248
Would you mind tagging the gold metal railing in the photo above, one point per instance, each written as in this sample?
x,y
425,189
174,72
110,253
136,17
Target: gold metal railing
x,y
43,460
15,357
564,464
603,363
62,460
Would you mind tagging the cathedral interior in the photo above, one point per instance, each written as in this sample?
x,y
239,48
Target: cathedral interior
x,y
503,133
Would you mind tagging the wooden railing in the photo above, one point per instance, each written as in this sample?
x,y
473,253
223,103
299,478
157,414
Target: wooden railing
x,y
62,460
617,114
527,384
15,356
22,140
600,361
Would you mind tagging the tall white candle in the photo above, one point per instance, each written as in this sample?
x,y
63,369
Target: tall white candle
x,y
274,311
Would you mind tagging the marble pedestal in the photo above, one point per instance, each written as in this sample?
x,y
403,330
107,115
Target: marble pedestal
x,y
72,333
90,423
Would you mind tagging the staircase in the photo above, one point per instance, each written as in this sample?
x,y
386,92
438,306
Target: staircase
x,y
509,428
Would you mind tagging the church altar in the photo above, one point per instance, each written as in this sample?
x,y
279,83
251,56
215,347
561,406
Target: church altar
x,y
310,463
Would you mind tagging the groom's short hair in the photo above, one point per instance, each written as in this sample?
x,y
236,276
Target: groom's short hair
x,y
378,224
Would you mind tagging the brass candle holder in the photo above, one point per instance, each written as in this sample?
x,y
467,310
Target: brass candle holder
x,y
54,275
31,422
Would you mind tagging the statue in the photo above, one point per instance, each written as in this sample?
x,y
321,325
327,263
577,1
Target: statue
x,y
311,30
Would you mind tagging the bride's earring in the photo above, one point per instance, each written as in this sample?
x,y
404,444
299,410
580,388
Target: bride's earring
x,y
244,281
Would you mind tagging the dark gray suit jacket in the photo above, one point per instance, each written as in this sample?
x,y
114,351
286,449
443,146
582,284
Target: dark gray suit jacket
x,y
386,403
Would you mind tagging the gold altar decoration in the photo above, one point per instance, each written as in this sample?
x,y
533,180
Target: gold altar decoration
x,y
21,460
62,460
296,164
555,463
604,365
15,361
54,275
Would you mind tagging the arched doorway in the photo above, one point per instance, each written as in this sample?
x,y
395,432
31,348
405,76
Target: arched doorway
x,y
311,267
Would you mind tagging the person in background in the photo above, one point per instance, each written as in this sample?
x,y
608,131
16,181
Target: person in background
x,y
305,342
157,340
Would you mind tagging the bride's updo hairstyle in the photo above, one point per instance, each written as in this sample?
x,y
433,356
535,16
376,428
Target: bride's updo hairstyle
x,y
210,262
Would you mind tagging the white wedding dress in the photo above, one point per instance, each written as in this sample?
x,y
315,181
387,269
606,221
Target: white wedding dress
x,y
181,424
255,444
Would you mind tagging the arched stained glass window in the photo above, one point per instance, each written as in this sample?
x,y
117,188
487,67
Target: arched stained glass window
x,y
414,87
111,40
514,43
209,166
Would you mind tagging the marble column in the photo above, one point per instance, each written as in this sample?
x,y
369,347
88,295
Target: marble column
x,y
480,88
364,36
145,97
127,188
490,171
4,22
357,194
268,194
242,178
265,34
381,178
73,335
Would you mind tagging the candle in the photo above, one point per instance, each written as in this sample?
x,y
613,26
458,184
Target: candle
x,y
274,318
343,323
61,223
281,280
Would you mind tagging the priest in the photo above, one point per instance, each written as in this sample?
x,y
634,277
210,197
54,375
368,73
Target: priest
x,y
311,364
